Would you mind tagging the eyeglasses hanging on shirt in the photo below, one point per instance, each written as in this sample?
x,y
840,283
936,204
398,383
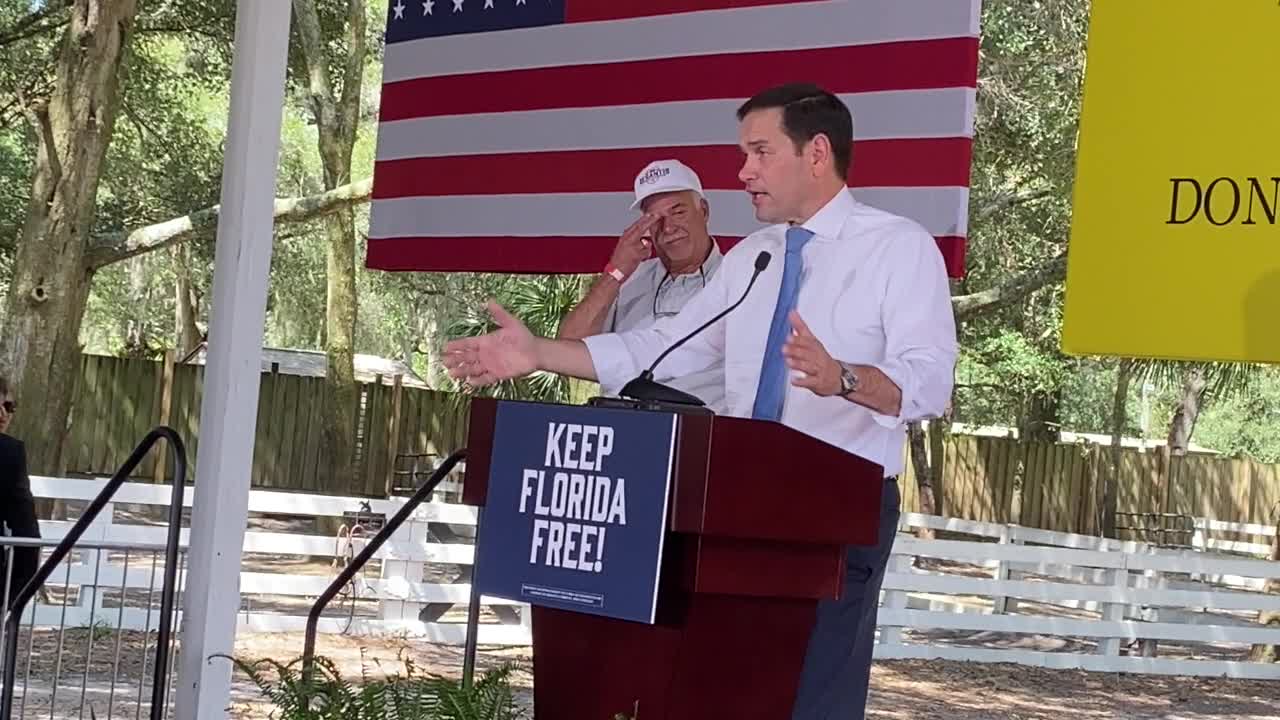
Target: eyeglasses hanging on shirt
x,y
663,304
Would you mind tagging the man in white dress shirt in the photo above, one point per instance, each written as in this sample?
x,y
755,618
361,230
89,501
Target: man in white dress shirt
x,y
635,290
848,336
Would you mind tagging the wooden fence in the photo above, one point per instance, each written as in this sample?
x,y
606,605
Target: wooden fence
x,y
118,400
1055,486
1058,486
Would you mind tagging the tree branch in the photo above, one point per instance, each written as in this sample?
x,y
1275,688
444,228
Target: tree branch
x,y
113,248
30,26
38,116
306,21
141,124
180,30
1004,202
967,307
349,103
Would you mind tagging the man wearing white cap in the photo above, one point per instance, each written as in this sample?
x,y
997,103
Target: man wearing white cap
x,y
636,289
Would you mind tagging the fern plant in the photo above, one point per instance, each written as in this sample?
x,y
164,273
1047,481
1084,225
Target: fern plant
x,y
412,696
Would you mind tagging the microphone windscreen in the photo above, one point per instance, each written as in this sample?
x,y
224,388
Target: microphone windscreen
x,y
762,261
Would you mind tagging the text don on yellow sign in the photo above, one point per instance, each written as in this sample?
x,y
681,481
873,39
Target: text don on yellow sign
x,y
1175,238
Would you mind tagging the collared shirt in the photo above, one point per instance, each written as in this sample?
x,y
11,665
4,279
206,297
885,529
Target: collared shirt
x,y
652,293
874,292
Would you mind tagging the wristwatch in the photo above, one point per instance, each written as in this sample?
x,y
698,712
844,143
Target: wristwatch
x,y
848,380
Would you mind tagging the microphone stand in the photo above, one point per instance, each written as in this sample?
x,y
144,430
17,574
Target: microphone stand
x,y
644,393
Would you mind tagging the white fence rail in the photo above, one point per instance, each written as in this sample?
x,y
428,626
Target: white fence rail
x,y
285,571
993,593
1100,604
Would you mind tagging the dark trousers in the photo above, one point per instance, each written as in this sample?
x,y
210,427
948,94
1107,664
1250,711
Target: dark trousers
x,y
837,665
25,562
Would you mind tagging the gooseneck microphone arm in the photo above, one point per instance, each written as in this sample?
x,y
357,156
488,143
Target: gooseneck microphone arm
x,y
644,387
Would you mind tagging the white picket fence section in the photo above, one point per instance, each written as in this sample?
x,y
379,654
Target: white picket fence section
x,y
1094,594
391,602
1203,540
1085,589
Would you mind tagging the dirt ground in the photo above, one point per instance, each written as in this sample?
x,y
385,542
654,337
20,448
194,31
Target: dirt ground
x,y
901,689
927,689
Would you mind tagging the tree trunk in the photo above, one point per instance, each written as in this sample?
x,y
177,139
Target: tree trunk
x,y
50,285
1270,619
340,381
137,334
186,309
938,460
337,118
1041,422
924,474
1184,419
1111,481
1181,426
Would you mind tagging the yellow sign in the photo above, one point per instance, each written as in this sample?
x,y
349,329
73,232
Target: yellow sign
x,y
1175,237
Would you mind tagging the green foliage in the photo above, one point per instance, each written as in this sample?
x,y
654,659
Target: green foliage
x,y
164,161
1030,73
995,374
540,302
1245,422
413,695
28,33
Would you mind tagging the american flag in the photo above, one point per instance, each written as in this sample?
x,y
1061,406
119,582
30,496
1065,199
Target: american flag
x,y
511,130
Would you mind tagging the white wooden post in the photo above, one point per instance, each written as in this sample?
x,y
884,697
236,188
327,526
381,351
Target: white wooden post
x,y
1114,611
228,416
402,574
89,599
895,599
1200,541
1001,604
1151,579
526,622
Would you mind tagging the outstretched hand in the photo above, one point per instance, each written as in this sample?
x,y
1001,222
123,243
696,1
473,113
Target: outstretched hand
x,y
506,353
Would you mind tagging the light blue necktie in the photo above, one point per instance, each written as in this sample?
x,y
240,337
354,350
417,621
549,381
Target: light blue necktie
x,y
773,370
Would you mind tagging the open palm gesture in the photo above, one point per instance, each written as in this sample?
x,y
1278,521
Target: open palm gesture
x,y
506,353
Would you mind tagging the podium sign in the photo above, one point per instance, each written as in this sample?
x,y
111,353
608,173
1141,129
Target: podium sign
x,y
577,508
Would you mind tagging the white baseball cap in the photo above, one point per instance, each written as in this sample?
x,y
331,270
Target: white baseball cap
x,y
661,176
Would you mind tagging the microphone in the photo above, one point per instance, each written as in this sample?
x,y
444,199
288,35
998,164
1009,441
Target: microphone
x,y
644,388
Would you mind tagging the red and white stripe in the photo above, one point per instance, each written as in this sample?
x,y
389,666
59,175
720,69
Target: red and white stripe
x,y
516,150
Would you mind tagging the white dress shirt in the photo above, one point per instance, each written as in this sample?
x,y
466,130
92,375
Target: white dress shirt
x,y
651,293
874,292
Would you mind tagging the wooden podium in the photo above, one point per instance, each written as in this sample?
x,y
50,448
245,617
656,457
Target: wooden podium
x,y
759,518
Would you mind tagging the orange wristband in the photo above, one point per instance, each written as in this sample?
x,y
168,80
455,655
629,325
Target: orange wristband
x,y
617,274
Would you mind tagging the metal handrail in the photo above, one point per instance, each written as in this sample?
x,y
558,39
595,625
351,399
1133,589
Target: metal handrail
x,y
160,669
358,562
18,541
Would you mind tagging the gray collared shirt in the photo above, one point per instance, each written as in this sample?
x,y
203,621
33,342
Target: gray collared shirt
x,y
651,293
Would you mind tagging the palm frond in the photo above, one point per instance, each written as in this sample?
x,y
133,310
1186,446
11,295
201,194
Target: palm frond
x,y
540,302
1221,379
